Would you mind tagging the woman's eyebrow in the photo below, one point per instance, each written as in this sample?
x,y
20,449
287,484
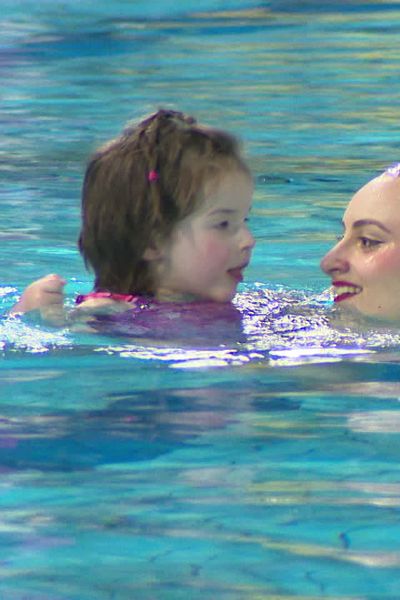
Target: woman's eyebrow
x,y
364,222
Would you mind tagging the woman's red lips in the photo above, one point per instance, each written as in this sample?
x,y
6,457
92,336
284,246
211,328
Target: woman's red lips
x,y
344,289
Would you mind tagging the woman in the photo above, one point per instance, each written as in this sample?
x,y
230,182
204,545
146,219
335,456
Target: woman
x,y
365,264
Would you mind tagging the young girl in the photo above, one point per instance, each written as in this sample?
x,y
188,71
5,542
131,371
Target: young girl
x,y
164,217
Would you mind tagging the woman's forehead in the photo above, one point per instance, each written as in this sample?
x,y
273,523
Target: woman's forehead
x,y
378,199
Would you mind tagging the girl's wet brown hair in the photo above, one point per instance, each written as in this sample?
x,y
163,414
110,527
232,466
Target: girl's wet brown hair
x,y
139,186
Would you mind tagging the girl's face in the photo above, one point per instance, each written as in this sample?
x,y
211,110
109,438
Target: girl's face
x,y
365,264
209,250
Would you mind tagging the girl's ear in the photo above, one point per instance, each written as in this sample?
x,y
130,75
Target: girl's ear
x,y
156,248
152,253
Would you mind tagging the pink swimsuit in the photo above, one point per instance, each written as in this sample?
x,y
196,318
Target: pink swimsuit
x,y
197,322
118,297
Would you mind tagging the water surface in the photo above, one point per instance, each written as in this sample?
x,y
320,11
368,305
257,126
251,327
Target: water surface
x,y
264,468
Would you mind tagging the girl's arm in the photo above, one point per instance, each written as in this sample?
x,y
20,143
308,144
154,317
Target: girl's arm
x,y
46,295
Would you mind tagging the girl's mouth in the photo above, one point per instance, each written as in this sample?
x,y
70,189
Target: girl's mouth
x,y
237,273
344,290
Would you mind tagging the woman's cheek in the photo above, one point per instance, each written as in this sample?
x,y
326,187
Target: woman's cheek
x,y
388,260
384,261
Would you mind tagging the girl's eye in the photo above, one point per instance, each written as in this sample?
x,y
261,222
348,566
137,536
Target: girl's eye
x,y
223,225
368,243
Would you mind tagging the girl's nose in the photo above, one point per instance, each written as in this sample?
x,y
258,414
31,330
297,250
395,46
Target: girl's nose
x,y
247,242
335,261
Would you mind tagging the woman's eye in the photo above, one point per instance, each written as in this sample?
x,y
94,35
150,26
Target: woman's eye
x,y
369,242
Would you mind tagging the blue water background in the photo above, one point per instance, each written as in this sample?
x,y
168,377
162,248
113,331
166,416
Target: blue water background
x,y
133,471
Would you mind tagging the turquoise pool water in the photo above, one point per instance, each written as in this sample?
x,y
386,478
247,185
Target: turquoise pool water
x,y
263,469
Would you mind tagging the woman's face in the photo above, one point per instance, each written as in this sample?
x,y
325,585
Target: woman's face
x,y
365,264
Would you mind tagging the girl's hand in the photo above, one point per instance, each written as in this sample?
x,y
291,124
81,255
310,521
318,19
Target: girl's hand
x,y
45,295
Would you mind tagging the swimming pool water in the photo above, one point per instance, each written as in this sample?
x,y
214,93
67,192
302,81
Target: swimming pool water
x,y
256,469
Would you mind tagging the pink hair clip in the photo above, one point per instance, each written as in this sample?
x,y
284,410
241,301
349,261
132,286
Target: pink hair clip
x,y
152,176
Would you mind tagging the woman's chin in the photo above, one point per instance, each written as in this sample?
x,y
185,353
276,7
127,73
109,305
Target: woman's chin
x,y
358,315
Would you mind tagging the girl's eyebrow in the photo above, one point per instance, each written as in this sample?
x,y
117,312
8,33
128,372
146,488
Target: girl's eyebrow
x,y
225,211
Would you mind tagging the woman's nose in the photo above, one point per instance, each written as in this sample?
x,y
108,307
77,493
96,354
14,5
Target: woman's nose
x,y
335,260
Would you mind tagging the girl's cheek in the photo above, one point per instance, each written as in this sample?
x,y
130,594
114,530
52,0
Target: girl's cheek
x,y
213,248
